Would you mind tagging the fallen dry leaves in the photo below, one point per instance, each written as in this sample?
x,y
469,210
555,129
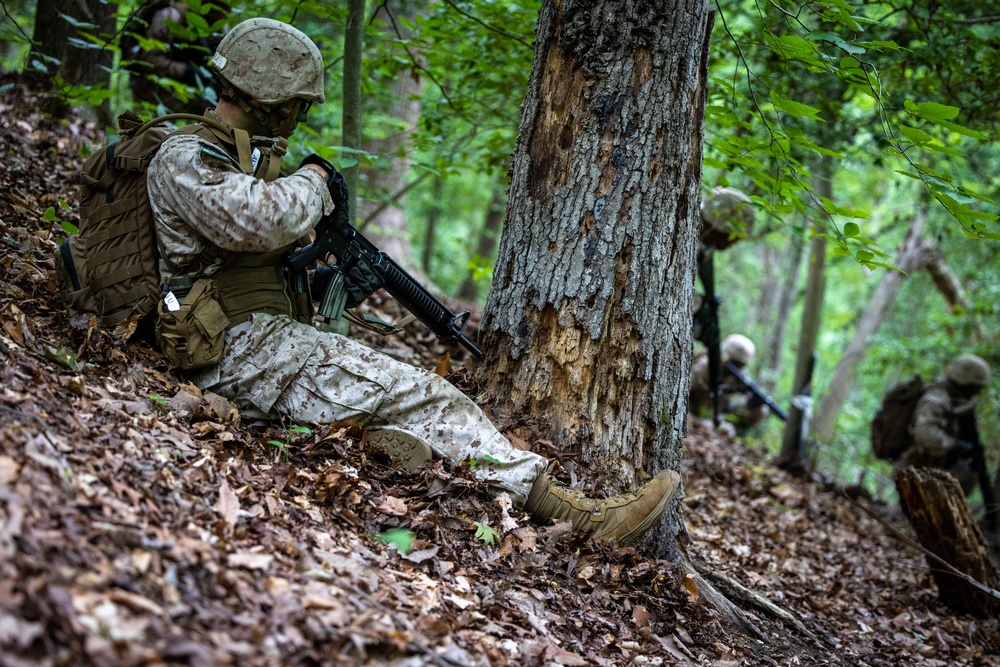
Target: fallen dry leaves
x,y
143,523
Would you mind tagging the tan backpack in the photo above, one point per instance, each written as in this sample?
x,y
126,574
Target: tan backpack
x,y
111,266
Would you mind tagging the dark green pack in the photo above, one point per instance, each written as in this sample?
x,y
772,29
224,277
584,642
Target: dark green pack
x,y
111,266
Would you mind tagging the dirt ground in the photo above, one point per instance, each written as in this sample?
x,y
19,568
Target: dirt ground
x,y
143,523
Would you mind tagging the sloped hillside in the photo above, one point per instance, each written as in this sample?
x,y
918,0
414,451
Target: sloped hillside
x,y
143,523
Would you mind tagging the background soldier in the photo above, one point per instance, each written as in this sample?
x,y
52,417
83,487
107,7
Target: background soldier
x,y
182,59
943,426
727,216
738,404
224,234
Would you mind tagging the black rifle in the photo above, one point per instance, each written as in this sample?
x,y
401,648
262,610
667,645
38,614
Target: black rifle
x,y
707,318
752,387
969,430
334,234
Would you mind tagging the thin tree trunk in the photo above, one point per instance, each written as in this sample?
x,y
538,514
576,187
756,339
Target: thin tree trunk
x,y
793,440
776,339
354,35
605,185
433,216
911,255
487,245
767,301
387,229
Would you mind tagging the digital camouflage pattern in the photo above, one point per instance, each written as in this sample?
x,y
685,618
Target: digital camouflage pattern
x,y
934,428
276,367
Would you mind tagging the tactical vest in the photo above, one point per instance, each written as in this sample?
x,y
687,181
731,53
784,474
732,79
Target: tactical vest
x,y
111,267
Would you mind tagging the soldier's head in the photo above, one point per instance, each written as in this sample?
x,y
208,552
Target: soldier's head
x,y
738,349
968,373
273,72
727,216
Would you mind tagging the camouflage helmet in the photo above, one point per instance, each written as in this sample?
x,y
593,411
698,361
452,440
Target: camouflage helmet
x,y
968,370
271,62
739,349
727,213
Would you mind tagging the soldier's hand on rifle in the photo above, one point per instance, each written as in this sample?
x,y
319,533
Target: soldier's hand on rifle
x,y
963,448
334,181
361,280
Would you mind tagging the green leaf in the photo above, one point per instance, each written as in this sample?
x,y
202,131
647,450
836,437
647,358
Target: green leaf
x,y
401,538
918,137
69,227
490,459
301,429
50,214
851,229
793,108
864,256
485,533
931,110
955,127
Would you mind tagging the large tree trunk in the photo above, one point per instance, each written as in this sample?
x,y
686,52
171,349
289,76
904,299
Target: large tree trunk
x,y
911,255
792,442
387,228
935,506
588,323
56,52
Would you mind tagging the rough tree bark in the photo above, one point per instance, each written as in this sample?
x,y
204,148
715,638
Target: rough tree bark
x,y
912,254
588,323
935,506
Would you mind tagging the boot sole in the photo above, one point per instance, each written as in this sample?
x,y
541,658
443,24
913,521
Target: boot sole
x,y
407,451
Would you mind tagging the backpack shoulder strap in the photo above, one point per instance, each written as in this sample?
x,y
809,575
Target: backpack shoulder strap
x,y
232,135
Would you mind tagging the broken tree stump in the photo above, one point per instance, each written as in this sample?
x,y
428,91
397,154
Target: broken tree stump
x,y
935,506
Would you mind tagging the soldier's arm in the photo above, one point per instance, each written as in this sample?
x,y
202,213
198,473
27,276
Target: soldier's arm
x,y
191,180
930,427
159,29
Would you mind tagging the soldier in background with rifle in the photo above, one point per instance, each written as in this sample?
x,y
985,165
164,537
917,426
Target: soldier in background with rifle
x,y
943,429
741,402
727,216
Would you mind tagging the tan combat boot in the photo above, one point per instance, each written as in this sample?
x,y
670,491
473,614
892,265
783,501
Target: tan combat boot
x,y
621,518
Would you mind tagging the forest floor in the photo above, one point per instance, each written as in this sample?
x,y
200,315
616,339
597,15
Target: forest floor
x,y
143,523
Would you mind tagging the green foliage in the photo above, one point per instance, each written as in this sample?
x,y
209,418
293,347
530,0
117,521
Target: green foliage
x,y
486,534
401,538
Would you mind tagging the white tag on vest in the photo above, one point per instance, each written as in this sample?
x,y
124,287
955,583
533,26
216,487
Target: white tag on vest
x,y
171,302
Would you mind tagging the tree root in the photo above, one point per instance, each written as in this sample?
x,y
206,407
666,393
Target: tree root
x,y
743,595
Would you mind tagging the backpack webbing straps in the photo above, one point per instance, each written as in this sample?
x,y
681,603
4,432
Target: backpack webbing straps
x,y
231,135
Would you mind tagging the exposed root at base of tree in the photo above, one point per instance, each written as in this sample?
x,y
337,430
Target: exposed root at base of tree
x,y
744,595
719,602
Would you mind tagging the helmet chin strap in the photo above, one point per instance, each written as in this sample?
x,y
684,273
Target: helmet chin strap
x,y
280,120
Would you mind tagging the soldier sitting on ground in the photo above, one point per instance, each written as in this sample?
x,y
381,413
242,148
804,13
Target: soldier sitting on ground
x,y
738,405
228,231
943,425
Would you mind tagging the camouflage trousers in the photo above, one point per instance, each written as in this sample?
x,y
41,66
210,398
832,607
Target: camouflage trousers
x,y
275,367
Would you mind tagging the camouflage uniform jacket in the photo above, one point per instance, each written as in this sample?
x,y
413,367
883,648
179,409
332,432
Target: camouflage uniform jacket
x,y
934,429
274,366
